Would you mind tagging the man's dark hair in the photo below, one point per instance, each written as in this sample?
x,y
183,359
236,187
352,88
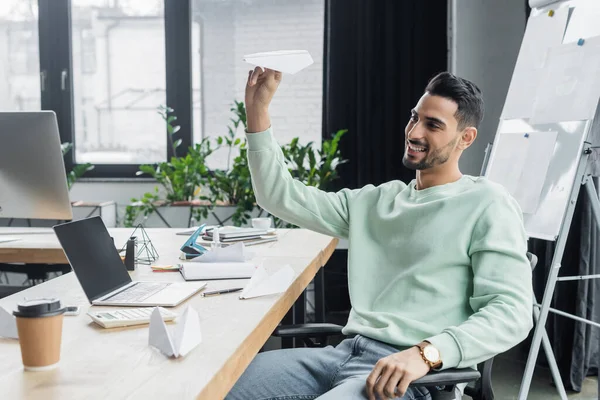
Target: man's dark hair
x,y
464,93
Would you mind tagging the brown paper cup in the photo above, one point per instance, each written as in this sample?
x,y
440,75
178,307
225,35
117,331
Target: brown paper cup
x,y
40,340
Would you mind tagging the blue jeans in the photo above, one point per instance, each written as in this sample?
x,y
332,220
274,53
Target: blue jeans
x,y
328,373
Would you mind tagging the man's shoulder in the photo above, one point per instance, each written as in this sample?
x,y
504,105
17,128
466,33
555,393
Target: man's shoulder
x,y
491,193
486,189
394,186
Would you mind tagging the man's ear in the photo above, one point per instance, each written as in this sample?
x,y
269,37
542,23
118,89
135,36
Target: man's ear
x,y
467,137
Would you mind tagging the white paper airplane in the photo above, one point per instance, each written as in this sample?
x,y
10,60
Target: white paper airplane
x,y
186,337
262,284
286,61
8,325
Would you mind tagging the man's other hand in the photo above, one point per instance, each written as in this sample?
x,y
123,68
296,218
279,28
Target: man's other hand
x,y
392,375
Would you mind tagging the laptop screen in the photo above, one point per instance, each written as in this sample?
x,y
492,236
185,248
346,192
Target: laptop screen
x,y
93,256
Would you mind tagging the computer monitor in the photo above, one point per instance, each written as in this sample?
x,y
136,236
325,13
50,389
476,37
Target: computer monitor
x,y
33,181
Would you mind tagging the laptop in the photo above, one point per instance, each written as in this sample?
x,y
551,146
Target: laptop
x,y
95,260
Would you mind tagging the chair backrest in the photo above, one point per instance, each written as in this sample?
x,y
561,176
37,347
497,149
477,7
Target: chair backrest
x,y
532,260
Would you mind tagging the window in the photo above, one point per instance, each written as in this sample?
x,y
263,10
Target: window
x,y
118,81
230,29
107,65
19,57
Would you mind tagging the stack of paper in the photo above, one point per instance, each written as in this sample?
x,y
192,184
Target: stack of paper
x,y
186,337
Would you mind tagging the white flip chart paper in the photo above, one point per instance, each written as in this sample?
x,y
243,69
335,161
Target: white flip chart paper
x,y
520,163
583,23
542,33
570,84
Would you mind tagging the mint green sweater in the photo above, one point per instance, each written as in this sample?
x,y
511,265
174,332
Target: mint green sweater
x,y
445,264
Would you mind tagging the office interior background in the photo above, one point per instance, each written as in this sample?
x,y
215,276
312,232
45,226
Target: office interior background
x,y
106,66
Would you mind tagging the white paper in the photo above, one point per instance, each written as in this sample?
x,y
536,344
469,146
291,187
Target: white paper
x,y
521,94
508,160
186,337
286,61
263,284
4,239
8,325
542,33
234,253
230,270
520,164
541,3
583,23
570,85
540,152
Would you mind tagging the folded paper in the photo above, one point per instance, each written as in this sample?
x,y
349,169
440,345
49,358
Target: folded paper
x,y
8,325
6,239
233,253
286,61
263,284
192,271
185,338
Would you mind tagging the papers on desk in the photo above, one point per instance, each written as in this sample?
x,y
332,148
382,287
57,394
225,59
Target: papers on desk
x,y
234,253
286,61
263,284
192,271
4,239
185,338
8,325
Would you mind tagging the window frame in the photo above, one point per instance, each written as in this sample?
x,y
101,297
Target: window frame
x,y
56,74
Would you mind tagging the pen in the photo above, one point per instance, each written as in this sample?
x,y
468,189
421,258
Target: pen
x,y
221,292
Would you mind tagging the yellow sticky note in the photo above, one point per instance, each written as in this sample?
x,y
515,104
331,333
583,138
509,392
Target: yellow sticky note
x,y
551,13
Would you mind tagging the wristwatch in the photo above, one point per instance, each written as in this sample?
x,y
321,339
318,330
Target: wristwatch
x,y
431,355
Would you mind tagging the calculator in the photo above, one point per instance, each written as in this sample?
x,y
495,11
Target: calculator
x,y
128,316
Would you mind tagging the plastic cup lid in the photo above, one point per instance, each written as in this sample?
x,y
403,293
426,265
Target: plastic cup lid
x,y
41,307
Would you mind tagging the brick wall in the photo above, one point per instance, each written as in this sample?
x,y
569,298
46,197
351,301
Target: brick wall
x,y
235,28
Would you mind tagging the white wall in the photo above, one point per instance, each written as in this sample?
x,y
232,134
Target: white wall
x,y
485,40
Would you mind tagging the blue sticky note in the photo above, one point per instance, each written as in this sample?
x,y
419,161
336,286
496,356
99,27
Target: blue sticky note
x,y
580,42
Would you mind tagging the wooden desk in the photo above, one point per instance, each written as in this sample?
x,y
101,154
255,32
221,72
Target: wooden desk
x,y
101,363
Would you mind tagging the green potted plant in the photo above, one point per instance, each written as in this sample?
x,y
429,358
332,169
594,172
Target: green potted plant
x,y
180,180
78,170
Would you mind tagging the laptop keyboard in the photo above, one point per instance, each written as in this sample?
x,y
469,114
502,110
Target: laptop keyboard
x,y
138,292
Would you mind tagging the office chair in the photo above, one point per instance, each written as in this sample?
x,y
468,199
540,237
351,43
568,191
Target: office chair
x,y
316,334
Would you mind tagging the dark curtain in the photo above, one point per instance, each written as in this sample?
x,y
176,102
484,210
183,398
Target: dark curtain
x,y
379,55
378,58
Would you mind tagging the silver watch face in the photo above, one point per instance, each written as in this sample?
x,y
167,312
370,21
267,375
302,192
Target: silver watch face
x,y
431,353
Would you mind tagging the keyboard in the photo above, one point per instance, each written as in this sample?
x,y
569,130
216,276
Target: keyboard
x,y
138,292
128,316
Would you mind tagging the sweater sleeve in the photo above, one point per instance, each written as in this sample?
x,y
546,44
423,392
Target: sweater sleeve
x,y
502,296
289,199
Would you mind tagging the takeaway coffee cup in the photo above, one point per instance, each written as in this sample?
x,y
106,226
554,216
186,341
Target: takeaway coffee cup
x,y
39,323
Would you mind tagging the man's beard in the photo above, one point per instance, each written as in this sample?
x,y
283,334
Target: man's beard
x,y
432,159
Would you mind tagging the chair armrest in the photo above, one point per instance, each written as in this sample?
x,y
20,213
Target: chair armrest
x,y
448,377
307,330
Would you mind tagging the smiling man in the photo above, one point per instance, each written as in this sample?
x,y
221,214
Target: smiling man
x,y
437,268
